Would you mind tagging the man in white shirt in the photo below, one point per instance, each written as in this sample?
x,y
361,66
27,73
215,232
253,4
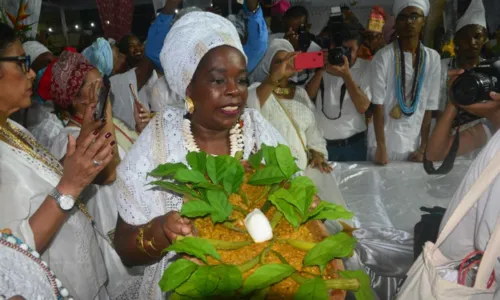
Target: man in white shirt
x,y
342,97
405,89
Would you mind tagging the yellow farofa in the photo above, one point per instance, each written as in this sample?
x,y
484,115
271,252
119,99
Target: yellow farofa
x,y
307,232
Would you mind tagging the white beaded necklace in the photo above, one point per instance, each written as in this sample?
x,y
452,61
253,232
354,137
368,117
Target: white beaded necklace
x,y
236,142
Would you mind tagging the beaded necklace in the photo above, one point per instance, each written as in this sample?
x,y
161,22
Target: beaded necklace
x,y
9,240
408,106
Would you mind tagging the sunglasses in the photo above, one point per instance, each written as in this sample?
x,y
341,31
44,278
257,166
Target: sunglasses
x,y
23,61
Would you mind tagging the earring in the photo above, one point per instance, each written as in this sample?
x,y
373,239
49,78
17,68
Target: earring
x,y
189,105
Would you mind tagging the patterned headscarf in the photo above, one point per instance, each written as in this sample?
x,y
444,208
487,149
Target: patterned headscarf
x,y
193,36
100,55
68,74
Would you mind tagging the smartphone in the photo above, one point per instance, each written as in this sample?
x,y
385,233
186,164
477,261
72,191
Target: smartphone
x,y
309,60
102,100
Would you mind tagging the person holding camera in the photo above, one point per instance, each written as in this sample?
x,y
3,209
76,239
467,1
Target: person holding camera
x,y
405,89
474,132
342,93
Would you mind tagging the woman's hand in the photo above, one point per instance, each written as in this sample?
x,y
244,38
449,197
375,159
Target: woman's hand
x,y
87,156
283,69
417,156
318,161
141,116
173,225
381,156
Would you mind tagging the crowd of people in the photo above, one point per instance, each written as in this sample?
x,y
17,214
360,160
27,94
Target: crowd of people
x,y
73,175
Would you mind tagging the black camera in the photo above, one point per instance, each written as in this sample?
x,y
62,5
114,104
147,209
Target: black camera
x,y
476,84
335,27
304,38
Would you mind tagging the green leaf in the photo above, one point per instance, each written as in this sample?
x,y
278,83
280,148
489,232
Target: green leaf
x,y
166,170
312,289
329,211
189,176
194,246
265,276
176,296
197,161
222,208
212,169
304,190
268,175
255,159
260,294
287,210
231,279
206,280
179,189
286,161
269,154
208,186
334,246
189,288
365,291
223,164
177,273
291,198
233,179
196,208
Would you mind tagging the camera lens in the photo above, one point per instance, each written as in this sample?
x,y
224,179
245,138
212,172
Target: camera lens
x,y
336,57
471,88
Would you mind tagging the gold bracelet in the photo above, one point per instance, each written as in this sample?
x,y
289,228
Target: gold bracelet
x,y
140,242
150,243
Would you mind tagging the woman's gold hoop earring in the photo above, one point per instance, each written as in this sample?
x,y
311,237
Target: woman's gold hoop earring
x,y
189,105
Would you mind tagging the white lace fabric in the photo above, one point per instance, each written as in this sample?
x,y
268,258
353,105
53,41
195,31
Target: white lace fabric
x,y
162,142
46,130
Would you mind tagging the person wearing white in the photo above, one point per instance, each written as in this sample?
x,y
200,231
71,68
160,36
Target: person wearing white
x,y
402,108
478,121
38,193
288,108
205,43
342,96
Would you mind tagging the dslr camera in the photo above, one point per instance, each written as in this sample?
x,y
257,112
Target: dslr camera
x,y
335,24
304,38
476,84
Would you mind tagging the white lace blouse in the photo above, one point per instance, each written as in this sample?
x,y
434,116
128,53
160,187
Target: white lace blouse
x,y
161,142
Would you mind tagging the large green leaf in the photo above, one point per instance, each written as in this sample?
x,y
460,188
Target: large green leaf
x,y
231,279
234,178
197,161
304,190
194,246
177,273
269,154
268,175
329,211
334,246
206,279
196,208
212,169
286,161
166,170
265,276
179,189
365,291
189,176
255,159
223,164
312,289
189,288
290,196
287,210
220,202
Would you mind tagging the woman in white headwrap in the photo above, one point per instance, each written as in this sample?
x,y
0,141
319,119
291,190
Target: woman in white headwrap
x,y
209,71
288,107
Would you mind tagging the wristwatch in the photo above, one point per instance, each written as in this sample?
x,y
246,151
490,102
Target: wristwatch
x,y
65,202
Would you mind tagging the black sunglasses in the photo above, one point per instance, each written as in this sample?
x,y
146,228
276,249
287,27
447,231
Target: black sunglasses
x,y
23,61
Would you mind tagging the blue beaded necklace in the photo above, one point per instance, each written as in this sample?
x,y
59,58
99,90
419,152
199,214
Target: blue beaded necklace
x,y
408,107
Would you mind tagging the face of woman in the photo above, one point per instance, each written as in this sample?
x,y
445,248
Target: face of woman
x,y
119,61
469,41
409,22
135,49
15,83
278,58
84,96
219,88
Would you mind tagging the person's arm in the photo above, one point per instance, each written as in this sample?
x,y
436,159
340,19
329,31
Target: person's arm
x,y
379,124
277,73
256,44
418,156
313,86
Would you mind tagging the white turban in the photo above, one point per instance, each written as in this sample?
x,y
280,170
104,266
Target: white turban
x,y
190,38
263,68
34,49
399,5
475,15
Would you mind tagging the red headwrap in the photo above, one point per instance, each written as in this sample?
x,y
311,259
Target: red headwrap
x,y
67,77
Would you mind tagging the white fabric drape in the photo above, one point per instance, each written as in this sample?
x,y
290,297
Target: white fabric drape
x,y
162,141
74,253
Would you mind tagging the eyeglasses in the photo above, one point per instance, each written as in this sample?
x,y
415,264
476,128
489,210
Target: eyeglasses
x,y
23,61
412,17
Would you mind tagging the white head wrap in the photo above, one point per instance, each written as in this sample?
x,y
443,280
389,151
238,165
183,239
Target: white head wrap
x,y
34,49
193,36
475,15
263,68
399,5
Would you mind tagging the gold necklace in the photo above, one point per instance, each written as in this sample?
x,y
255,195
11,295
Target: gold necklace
x,y
282,91
27,144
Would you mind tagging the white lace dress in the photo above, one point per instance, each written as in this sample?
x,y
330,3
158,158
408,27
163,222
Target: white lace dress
x,y
74,254
47,129
162,142
302,111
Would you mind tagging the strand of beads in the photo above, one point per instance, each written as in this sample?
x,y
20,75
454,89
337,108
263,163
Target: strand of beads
x,y
13,242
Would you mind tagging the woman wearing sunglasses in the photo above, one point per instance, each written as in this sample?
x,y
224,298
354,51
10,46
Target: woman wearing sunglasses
x,y
39,194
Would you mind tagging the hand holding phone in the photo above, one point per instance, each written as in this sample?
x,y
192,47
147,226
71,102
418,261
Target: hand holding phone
x,y
102,99
309,60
